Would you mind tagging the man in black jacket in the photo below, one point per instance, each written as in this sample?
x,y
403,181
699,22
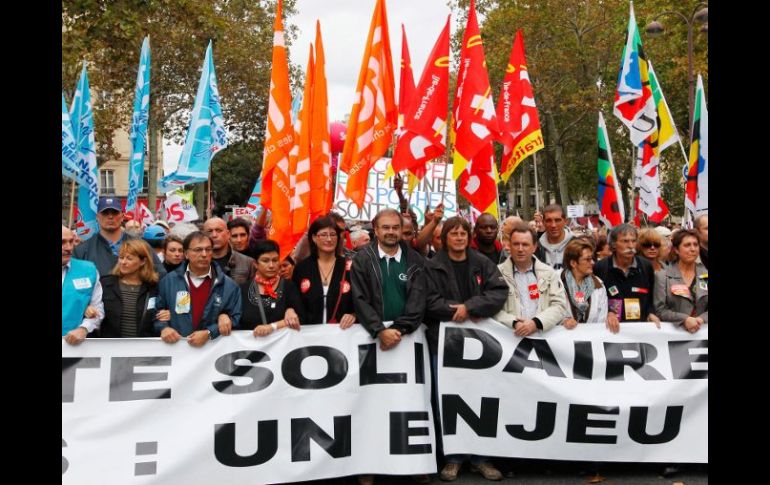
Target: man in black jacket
x,y
463,285
388,282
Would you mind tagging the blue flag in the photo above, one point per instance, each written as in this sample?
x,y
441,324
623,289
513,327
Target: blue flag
x,y
82,116
69,149
138,133
256,194
206,134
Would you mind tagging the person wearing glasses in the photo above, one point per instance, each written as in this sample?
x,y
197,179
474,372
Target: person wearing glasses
x,y
270,302
323,278
586,295
202,301
648,246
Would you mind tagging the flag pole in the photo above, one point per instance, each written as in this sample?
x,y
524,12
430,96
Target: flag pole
x,y
72,204
632,200
208,201
537,191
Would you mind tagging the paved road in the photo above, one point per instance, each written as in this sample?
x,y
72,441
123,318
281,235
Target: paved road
x,y
560,473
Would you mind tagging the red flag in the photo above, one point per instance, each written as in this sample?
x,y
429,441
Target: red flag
x,y
406,82
475,123
374,115
517,113
657,217
425,121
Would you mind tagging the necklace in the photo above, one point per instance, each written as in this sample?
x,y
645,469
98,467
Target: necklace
x,y
326,275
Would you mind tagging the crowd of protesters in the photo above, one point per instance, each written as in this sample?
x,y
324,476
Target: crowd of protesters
x,y
198,282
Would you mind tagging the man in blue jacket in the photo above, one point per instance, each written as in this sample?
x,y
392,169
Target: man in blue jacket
x,y
202,302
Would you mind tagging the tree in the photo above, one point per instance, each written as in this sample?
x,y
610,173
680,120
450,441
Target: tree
x,y
573,55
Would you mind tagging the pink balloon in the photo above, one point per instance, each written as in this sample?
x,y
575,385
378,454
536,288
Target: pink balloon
x,y
337,130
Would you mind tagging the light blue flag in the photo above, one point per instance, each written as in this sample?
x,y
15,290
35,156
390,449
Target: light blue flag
x,y
82,116
256,194
139,120
69,157
206,134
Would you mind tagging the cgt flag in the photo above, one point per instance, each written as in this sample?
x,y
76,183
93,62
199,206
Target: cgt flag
x,y
611,210
424,131
206,135
374,115
517,113
139,121
697,185
475,123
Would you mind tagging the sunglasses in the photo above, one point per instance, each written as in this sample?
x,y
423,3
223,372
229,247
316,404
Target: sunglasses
x,y
648,245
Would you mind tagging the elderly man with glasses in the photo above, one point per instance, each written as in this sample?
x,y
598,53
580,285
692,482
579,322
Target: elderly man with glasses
x,y
201,300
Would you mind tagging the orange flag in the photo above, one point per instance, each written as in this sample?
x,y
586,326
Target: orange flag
x,y
475,123
321,195
424,136
279,137
516,110
374,115
299,163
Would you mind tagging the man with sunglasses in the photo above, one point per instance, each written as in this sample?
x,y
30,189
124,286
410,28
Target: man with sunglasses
x,y
200,299
102,248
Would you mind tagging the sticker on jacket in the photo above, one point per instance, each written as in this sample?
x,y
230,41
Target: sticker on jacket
x,y
182,302
304,285
680,290
81,283
534,294
151,303
633,308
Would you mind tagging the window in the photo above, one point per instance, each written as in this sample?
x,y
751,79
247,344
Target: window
x,y
518,200
107,181
532,201
145,181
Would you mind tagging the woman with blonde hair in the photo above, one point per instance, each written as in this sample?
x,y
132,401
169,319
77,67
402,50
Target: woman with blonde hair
x,y
129,293
648,246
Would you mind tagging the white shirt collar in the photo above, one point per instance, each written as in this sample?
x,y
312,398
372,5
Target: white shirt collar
x,y
396,256
193,277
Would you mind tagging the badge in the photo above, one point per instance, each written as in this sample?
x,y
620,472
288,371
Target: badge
x,y
304,285
580,297
345,287
348,264
402,276
81,283
272,305
643,291
613,290
218,300
182,302
680,290
151,303
615,305
633,308
478,279
533,293
703,285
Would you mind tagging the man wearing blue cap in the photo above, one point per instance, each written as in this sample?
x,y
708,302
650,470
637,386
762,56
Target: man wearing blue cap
x,y
102,248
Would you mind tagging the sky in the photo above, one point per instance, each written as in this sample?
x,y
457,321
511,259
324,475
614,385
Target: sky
x,y
344,29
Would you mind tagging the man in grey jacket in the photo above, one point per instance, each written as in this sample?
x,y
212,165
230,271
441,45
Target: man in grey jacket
x,y
239,267
555,238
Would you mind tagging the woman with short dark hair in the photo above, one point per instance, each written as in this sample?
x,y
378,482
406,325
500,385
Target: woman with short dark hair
x,y
586,295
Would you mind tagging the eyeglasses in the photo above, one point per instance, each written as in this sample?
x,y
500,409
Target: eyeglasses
x,y
202,250
586,260
326,235
648,245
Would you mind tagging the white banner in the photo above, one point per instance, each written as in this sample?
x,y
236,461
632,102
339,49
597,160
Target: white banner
x,y
179,209
380,194
585,394
289,407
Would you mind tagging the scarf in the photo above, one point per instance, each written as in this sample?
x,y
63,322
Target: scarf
x,y
268,284
573,288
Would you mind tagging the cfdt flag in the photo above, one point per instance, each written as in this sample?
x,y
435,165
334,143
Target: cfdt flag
x,y
138,135
206,135
69,149
279,132
82,116
634,102
697,185
374,114
321,195
424,130
611,210
516,112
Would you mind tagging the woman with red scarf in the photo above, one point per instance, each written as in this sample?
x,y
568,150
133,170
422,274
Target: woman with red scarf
x,y
270,302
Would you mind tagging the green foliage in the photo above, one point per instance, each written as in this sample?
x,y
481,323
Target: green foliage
x,y
233,173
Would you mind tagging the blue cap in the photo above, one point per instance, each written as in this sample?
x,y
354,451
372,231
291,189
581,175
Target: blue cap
x,y
106,203
154,233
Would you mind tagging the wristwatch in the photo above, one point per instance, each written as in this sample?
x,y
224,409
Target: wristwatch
x,y
211,336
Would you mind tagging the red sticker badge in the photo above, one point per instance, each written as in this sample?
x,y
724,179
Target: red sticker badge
x,y
348,264
478,279
304,285
533,293
345,287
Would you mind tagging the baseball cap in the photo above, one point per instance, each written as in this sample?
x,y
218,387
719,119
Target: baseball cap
x,y
154,233
109,203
